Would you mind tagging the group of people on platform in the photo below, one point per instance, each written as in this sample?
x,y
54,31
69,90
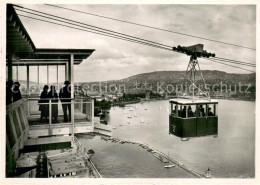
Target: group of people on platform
x,y
200,112
52,95
13,92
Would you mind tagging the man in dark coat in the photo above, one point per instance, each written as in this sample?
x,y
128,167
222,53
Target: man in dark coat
x,y
65,92
16,92
54,107
43,103
9,92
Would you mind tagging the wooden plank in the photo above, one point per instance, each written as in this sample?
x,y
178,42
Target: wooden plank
x,y
61,131
16,36
19,121
37,133
8,146
40,131
24,117
14,30
83,129
13,127
9,17
46,126
11,24
48,140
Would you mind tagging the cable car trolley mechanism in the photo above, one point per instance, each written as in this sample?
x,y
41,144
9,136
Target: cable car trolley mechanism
x,y
193,113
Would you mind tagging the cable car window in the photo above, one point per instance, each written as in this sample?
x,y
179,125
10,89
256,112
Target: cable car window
x,y
180,107
184,111
215,109
210,110
191,111
174,109
201,110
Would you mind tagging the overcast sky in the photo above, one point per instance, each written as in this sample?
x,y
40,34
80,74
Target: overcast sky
x,y
116,59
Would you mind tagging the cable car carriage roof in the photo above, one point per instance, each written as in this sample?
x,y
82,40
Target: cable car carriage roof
x,y
187,101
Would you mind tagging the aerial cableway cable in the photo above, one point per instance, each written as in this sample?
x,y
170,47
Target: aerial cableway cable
x,y
125,37
109,35
225,59
229,65
88,26
233,62
105,30
152,27
136,41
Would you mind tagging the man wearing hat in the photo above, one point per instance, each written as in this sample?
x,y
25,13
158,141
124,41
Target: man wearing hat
x,y
16,92
65,95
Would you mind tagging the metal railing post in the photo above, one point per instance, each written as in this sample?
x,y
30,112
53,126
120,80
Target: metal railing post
x,y
92,112
81,105
28,108
72,116
50,116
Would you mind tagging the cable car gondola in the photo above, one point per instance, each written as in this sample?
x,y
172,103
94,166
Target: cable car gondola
x,y
193,114
193,118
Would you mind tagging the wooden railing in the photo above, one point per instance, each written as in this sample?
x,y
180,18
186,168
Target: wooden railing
x,y
84,106
17,130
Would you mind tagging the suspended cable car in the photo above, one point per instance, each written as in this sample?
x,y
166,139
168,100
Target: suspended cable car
x,y
193,118
193,113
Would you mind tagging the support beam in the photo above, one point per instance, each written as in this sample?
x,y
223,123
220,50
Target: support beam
x,y
71,79
66,71
92,112
11,24
27,79
38,75
57,74
71,74
14,30
17,74
48,75
10,67
10,17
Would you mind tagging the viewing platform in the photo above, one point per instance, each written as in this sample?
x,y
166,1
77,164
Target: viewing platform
x,y
26,131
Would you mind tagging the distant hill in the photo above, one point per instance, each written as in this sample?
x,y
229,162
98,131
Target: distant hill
x,y
177,77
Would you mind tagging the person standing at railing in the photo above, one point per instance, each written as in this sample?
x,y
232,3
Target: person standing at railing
x,y
43,103
65,95
9,92
54,104
16,92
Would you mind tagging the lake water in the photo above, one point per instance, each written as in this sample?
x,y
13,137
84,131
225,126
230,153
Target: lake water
x,y
229,155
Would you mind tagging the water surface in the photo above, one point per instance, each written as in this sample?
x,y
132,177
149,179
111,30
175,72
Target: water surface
x,y
231,154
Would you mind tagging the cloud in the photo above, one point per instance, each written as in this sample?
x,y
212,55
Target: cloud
x,y
115,59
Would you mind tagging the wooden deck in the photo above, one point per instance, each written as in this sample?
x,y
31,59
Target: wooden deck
x,y
34,118
39,129
59,129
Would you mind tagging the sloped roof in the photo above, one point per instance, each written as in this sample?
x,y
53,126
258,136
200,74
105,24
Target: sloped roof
x,y
21,47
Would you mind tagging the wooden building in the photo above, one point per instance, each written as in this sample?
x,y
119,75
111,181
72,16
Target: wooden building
x,y
24,131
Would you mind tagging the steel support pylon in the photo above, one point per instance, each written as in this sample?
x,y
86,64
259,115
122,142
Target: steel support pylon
x,y
191,75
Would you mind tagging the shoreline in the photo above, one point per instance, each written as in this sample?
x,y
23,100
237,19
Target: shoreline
x,y
159,155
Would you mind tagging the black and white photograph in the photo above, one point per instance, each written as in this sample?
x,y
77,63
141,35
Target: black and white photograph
x,y
157,92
